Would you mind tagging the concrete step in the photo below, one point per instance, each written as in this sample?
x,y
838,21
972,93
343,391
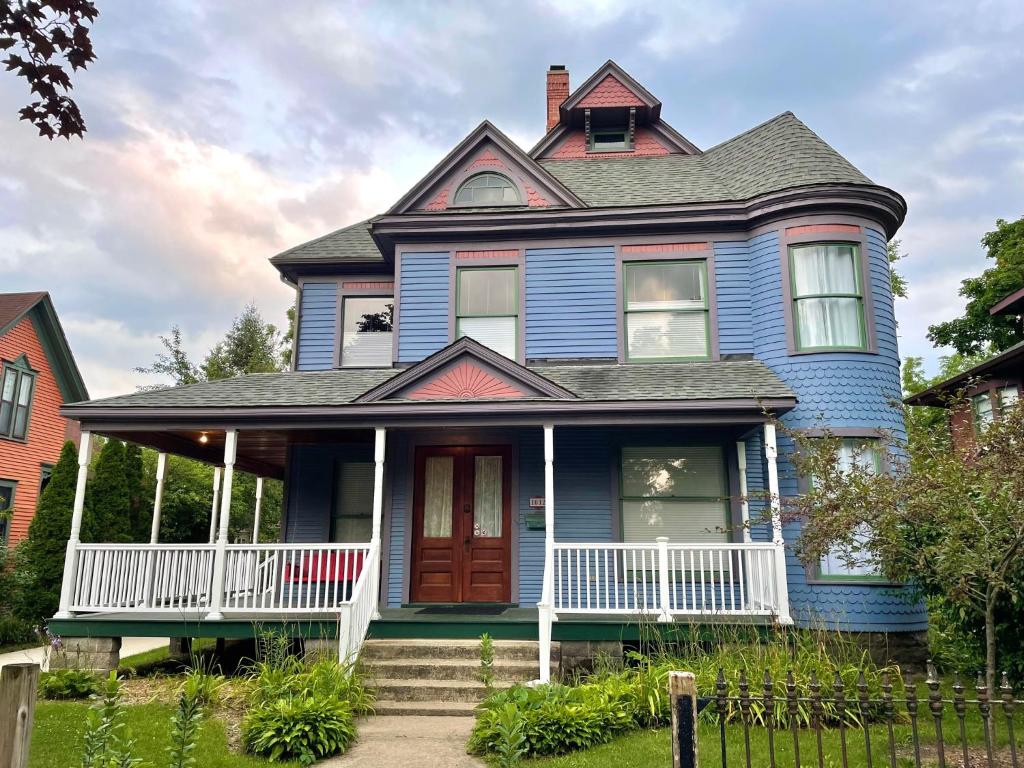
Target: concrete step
x,y
425,708
513,671
406,690
504,650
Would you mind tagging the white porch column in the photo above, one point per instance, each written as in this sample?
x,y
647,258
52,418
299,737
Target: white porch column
x,y
154,531
545,609
379,444
221,553
771,452
67,586
256,513
741,463
216,502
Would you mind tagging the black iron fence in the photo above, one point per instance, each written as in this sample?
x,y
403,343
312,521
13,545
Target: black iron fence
x,y
900,723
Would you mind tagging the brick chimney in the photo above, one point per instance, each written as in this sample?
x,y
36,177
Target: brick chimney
x,y
558,91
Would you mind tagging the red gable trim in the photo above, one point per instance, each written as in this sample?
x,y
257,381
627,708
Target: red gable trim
x,y
663,247
610,92
466,382
383,286
808,229
500,254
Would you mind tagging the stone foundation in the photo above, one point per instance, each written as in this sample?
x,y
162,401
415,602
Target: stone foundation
x,y
577,656
97,654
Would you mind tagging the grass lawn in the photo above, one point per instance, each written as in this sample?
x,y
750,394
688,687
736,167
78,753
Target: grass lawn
x,y
156,657
653,748
60,725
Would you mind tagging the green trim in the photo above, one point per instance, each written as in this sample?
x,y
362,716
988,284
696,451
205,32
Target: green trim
x,y
627,145
859,295
627,267
58,353
459,315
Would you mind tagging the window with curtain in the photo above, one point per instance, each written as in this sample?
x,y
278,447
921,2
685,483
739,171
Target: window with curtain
x,y
366,331
352,510
864,453
679,492
666,310
487,189
487,307
828,299
487,496
15,399
438,490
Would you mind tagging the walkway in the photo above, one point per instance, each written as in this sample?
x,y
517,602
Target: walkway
x,y
129,647
410,742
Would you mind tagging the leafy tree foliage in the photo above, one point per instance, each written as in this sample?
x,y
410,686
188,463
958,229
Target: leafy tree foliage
x,y
109,514
138,514
44,37
925,423
288,340
977,331
40,558
173,362
899,282
250,346
950,523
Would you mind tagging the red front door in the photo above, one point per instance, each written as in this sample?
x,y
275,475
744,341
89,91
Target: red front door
x,y
461,525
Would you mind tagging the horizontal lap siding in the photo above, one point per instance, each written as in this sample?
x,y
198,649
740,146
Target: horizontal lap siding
x,y
732,294
398,549
318,311
311,489
835,390
571,311
423,305
47,429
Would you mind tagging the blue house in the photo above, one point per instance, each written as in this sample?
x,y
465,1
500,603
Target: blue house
x,y
536,397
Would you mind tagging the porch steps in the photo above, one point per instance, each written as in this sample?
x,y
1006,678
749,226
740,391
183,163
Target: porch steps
x,y
442,677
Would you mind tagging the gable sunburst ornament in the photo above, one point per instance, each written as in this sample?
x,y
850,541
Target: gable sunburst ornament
x,y
466,381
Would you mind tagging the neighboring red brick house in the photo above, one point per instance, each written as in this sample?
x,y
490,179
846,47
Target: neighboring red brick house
x,y
979,396
37,376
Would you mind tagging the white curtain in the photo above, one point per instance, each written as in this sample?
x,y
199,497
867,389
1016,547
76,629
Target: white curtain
x,y
667,334
366,350
497,333
829,322
824,269
487,495
437,497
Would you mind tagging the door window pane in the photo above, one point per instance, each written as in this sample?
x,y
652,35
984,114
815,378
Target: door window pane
x,y
827,297
352,513
488,307
677,491
666,310
487,496
438,479
367,332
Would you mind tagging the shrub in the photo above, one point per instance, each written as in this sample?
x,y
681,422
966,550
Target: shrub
x,y
64,684
108,743
487,661
185,727
511,739
302,728
16,631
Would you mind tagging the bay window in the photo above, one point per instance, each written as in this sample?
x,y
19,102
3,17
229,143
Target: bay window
x,y
366,331
487,307
666,311
15,399
863,453
828,297
678,492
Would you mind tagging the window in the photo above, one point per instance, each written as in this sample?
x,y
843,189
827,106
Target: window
x,y
1008,397
990,404
609,141
352,511
487,189
15,398
679,492
6,505
828,301
487,307
366,332
666,310
862,452
45,472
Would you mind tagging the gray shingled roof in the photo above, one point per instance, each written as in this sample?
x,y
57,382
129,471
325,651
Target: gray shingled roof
x,y
776,155
686,381
351,243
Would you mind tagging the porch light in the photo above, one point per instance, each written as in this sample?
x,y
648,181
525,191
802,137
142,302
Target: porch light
x,y
203,438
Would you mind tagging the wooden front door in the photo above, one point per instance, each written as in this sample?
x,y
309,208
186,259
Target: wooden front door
x,y
462,522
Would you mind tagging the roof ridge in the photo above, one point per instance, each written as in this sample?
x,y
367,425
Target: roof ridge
x,y
758,127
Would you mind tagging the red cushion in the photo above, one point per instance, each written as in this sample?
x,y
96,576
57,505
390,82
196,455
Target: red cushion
x,y
326,566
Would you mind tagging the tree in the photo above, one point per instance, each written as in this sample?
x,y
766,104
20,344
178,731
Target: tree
x,y
41,555
46,37
174,362
250,346
899,282
288,340
926,422
949,523
138,513
976,331
109,518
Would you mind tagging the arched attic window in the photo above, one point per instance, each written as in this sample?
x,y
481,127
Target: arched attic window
x,y
487,189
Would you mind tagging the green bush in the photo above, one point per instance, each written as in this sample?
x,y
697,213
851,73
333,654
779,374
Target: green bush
x,y
302,728
16,631
63,684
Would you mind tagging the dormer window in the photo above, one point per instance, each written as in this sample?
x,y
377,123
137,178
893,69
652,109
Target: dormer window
x,y
487,189
609,141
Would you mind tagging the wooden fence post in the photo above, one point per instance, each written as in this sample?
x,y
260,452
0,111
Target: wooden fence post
x,y
682,687
17,707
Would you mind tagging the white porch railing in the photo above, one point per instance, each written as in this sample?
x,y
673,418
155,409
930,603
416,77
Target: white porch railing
x,y
361,608
667,580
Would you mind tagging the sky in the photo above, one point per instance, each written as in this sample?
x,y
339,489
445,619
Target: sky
x,y
220,133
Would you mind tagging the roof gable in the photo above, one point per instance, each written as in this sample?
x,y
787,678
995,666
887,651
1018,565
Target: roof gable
x,y
486,149
463,371
14,307
611,86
